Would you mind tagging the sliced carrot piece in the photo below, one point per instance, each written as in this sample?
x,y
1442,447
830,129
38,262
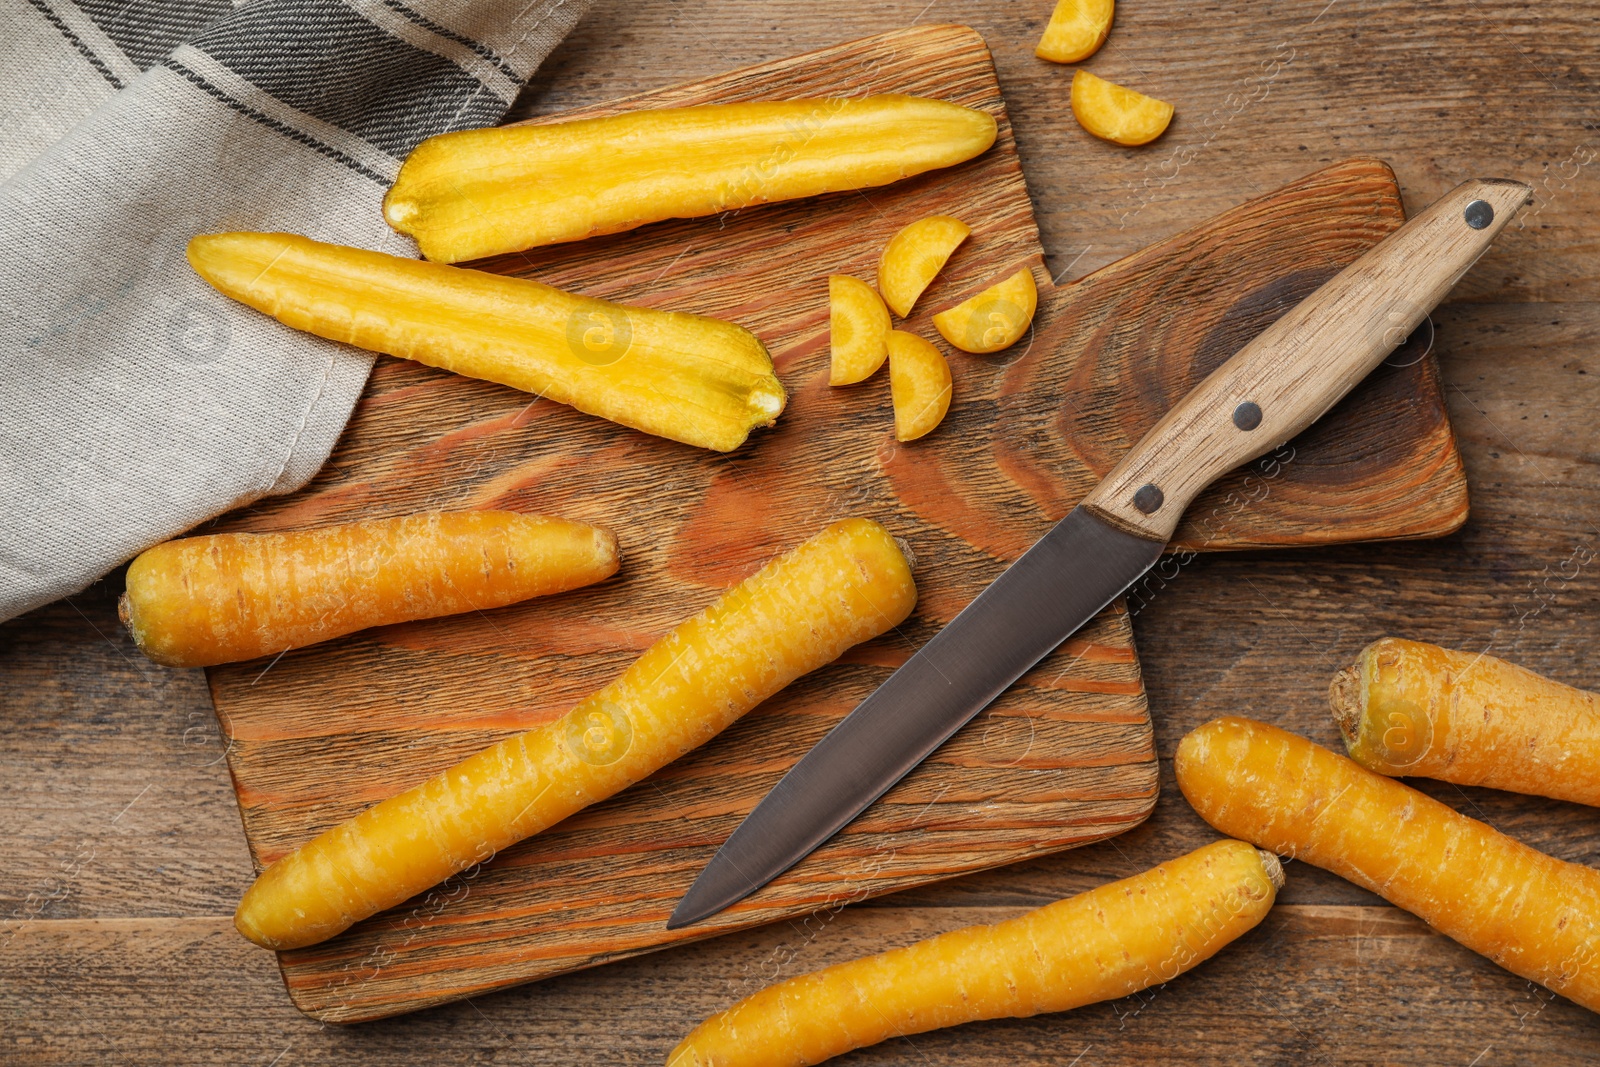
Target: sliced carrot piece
x,y
915,256
1116,114
919,381
994,319
1076,31
858,329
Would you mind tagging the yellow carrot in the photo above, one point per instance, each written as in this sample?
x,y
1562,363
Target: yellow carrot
x,y
685,377
993,319
914,257
1405,707
1100,945
476,193
1115,113
226,597
800,611
858,329
1076,30
1534,915
919,385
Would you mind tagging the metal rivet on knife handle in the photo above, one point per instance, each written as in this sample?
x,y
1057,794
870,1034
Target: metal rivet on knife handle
x,y
1148,498
1247,416
1478,214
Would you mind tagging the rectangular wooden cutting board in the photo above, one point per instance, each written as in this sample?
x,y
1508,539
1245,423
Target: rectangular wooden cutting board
x,y
1063,758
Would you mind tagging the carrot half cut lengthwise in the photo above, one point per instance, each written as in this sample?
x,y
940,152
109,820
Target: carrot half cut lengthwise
x,y
226,597
800,611
686,377
1533,914
476,193
1100,945
1409,708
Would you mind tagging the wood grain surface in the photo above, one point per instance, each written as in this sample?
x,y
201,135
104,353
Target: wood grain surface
x,y
1063,758
120,853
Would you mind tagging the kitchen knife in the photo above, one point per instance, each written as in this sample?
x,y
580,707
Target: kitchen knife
x,y
1267,392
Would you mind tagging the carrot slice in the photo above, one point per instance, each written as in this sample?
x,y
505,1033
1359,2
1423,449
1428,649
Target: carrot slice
x,y
915,256
858,326
994,319
1114,113
919,380
1076,31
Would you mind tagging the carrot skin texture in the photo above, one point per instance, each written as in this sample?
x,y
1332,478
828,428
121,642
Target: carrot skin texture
x,y
1533,914
1100,945
221,598
849,583
688,378
475,193
1410,708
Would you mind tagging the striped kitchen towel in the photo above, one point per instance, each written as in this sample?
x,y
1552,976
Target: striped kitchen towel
x,y
136,402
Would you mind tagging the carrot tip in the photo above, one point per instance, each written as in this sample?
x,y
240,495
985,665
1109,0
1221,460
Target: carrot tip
x,y
905,550
1344,700
1273,867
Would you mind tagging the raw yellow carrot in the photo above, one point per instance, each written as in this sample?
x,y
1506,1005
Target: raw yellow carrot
x,y
1405,707
914,257
919,383
686,377
1535,915
858,329
225,597
480,192
993,319
1115,113
800,611
1100,945
1076,31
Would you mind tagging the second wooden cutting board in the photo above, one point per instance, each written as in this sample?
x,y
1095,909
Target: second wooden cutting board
x,y
1064,758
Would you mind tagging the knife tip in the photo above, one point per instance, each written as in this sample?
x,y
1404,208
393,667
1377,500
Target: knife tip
x,y
687,913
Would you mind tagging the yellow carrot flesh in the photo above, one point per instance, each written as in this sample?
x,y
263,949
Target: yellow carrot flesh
x,y
1116,113
858,328
225,597
993,319
914,257
1076,30
919,385
477,193
689,378
1100,945
1409,708
800,611
1534,915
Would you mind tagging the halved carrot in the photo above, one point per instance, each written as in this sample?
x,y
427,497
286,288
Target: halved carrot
x,y
475,193
690,378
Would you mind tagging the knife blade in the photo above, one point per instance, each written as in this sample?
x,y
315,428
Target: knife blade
x,y
1273,388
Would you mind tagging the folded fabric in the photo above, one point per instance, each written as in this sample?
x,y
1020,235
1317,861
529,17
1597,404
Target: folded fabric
x,y
136,402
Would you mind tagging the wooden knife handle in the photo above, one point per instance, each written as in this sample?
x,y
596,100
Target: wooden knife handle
x,y
1301,365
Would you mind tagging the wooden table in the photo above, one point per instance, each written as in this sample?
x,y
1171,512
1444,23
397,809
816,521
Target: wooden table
x,y
121,856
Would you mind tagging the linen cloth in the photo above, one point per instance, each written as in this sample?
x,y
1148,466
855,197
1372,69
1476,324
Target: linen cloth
x,y
135,401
